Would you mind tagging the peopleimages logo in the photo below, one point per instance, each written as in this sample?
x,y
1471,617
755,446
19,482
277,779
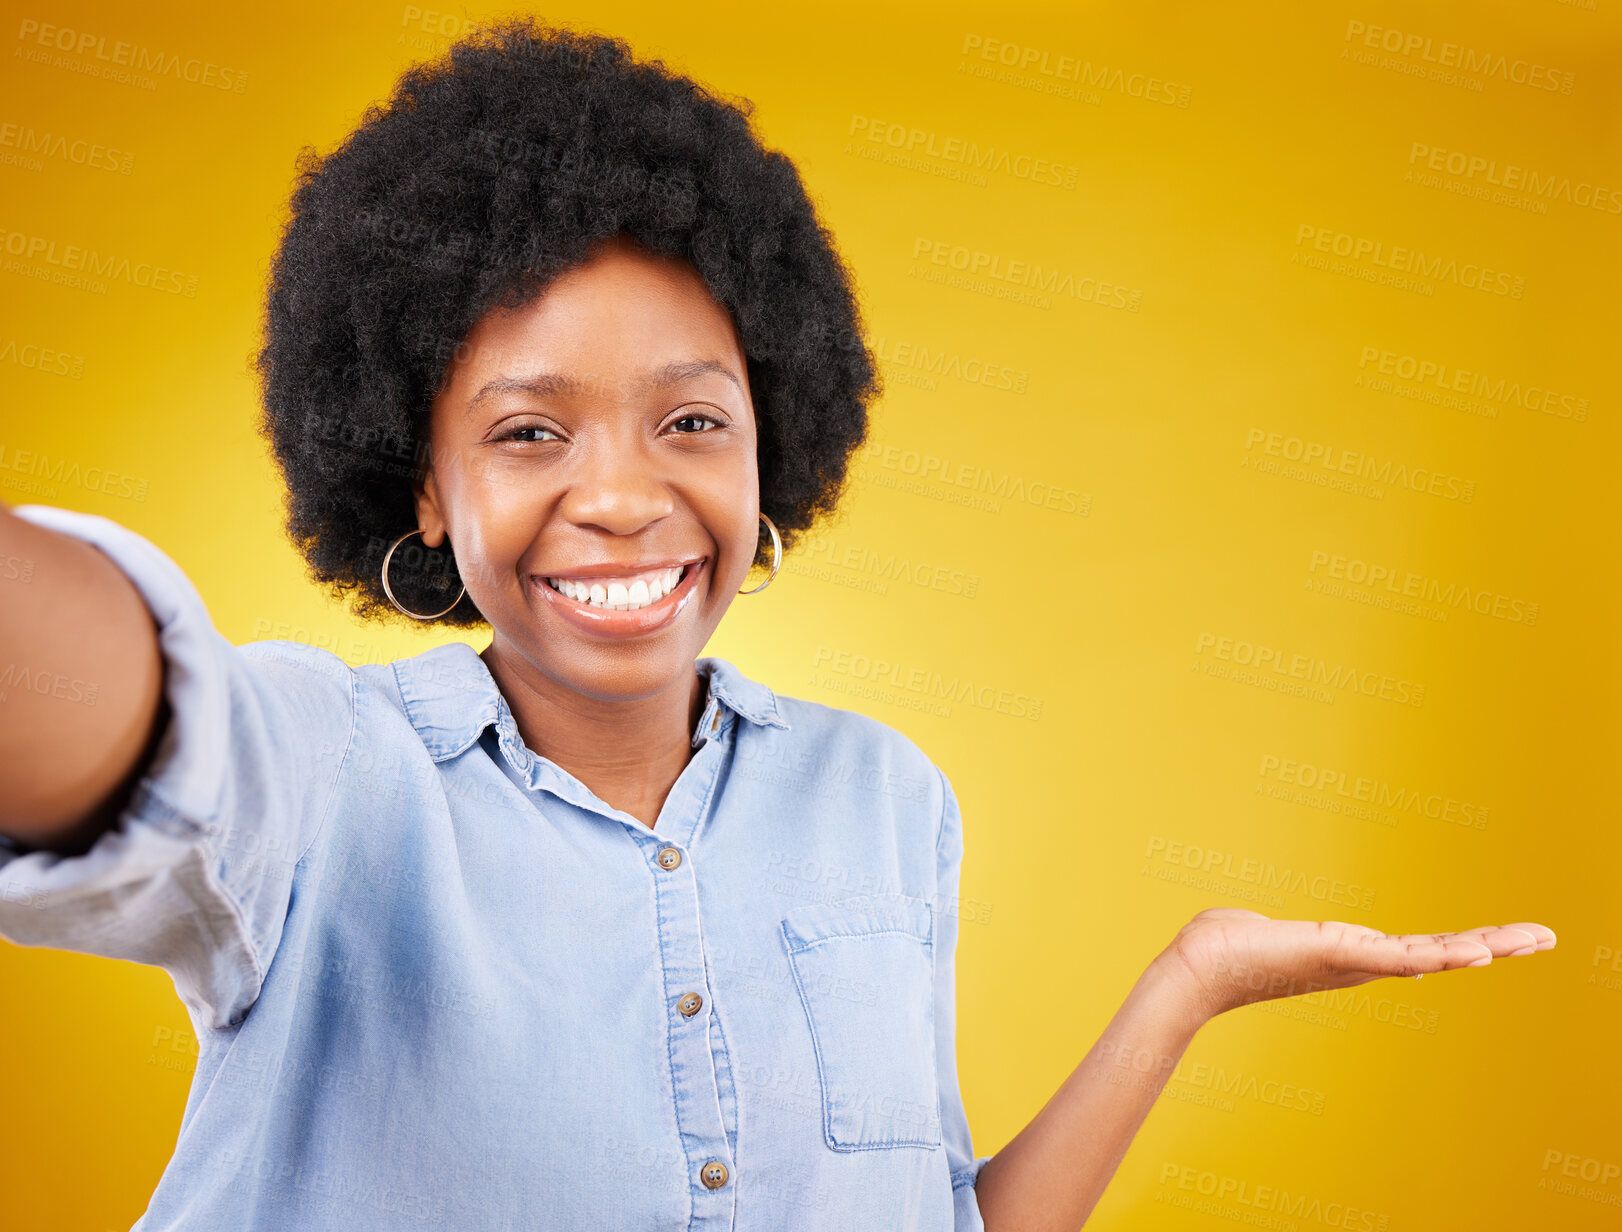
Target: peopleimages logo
x,y
90,51
1450,378
76,264
1310,669
1426,50
1330,457
1373,791
30,143
1047,280
1215,864
1411,261
926,682
1041,63
1516,178
908,142
1411,585
54,469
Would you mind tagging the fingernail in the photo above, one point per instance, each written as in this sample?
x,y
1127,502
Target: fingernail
x,y
1525,949
1480,962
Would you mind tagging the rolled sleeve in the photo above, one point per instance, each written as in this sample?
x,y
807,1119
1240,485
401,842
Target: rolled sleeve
x,y
195,876
964,1164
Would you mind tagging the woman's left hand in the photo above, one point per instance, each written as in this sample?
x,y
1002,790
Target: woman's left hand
x,y
1227,957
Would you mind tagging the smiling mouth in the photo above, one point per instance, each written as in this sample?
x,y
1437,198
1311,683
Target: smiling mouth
x,y
628,593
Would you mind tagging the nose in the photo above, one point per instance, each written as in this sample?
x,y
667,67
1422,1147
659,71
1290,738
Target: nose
x,y
616,489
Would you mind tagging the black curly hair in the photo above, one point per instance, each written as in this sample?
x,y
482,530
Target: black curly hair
x,y
492,169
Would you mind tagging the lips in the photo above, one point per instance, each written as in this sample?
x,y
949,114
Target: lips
x,y
617,623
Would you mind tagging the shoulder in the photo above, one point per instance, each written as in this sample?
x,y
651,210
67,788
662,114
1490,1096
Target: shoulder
x,y
301,659
434,688
309,692
849,746
308,672
819,722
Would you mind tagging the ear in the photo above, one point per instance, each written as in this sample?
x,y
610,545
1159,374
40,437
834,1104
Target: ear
x,y
430,517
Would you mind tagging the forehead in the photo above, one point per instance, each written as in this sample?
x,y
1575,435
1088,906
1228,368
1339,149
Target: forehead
x,y
619,315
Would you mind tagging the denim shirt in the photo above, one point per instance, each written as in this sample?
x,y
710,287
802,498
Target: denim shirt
x,y
437,982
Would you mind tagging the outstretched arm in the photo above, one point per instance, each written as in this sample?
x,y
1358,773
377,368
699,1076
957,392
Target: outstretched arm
x,y
1049,1178
81,687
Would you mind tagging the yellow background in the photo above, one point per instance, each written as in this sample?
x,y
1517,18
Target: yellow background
x,y
1202,318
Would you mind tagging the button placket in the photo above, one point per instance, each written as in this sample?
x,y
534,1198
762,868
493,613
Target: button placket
x,y
693,1066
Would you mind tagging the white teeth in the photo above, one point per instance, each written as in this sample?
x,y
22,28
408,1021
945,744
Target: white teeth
x,y
616,595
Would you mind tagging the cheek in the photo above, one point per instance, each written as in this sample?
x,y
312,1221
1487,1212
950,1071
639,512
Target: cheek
x,y
496,526
742,546
746,529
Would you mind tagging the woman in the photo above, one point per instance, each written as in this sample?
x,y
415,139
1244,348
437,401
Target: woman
x,y
526,938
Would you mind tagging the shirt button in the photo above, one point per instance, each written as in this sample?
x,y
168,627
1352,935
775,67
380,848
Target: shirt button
x,y
714,1174
669,857
690,1004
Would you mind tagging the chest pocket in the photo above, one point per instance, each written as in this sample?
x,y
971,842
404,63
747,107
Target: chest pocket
x,y
865,969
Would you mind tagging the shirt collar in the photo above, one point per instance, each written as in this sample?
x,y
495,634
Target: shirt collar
x,y
451,697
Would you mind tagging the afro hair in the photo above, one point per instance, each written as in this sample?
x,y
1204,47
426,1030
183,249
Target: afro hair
x,y
492,169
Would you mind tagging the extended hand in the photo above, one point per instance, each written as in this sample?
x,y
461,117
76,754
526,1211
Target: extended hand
x,y
1229,957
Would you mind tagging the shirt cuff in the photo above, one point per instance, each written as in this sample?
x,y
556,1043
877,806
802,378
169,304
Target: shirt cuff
x,y
966,1215
969,1175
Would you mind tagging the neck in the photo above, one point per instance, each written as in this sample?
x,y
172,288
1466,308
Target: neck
x,y
629,751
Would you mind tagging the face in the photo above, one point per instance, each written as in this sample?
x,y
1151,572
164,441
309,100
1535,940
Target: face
x,y
601,436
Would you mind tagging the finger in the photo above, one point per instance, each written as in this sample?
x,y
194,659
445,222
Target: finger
x,y
1502,940
1416,954
1230,913
1445,952
1510,940
1523,941
1542,934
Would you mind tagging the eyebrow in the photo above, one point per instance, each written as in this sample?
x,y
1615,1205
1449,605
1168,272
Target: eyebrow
x,y
557,384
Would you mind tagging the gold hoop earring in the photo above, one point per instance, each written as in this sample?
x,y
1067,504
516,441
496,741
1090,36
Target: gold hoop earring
x,y
387,590
777,557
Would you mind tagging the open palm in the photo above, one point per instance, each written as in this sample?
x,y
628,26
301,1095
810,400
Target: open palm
x,y
1234,957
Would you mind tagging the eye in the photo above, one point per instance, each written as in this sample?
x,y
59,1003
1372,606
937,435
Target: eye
x,y
514,434
696,418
